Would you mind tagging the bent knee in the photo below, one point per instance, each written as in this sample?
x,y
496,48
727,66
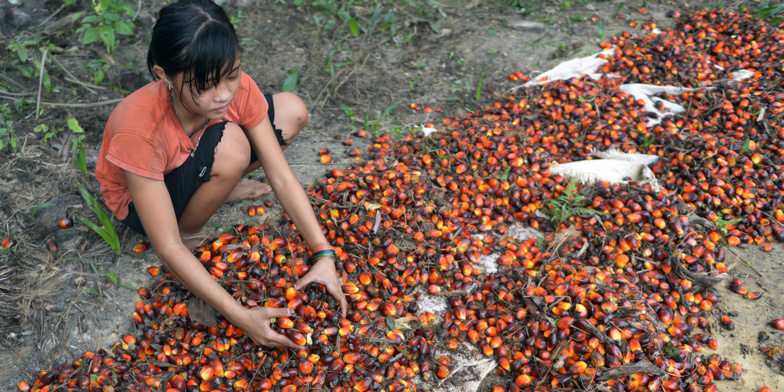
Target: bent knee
x,y
232,154
291,110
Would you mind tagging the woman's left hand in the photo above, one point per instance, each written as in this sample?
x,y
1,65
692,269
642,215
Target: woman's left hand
x,y
323,271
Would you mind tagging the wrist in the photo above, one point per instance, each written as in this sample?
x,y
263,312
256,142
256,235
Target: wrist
x,y
320,246
326,254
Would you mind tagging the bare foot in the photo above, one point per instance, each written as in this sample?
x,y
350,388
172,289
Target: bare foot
x,y
248,189
197,239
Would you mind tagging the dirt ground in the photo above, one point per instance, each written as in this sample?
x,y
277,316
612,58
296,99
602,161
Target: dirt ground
x,y
456,55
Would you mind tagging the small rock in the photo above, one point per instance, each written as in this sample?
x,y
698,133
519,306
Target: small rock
x,y
528,26
18,18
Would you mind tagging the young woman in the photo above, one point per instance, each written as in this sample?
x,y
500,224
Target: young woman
x,y
176,149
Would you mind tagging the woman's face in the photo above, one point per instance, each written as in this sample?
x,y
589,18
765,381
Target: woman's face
x,y
213,102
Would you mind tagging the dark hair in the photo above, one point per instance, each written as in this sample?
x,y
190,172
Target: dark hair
x,y
195,37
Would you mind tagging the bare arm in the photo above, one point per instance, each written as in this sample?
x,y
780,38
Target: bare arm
x,y
153,204
295,202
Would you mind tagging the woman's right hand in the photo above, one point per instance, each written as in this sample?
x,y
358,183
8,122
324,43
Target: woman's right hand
x,y
256,324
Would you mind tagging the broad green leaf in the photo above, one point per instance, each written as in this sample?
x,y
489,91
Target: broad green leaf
x,y
123,27
90,35
354,26
107,36
113,277
291,81
111,16
23,54
73,124
374,20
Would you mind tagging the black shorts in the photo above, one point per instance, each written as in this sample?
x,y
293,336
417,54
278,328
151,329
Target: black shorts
x,y
183,182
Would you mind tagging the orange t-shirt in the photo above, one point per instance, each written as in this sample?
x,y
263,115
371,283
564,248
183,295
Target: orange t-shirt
x,y
144,137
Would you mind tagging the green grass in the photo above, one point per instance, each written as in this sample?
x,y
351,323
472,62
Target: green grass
x,y
568,204
106,230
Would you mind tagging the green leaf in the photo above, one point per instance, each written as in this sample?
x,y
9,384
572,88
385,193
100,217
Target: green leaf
x,y
479,87
112,277
291,81
38,207
111,16
354,27
23,54
389,23
107,36
73,124
389,109
374,20
107,232
47,82
90,35
90,19
123,28
505,175
88,290
80,161
433,27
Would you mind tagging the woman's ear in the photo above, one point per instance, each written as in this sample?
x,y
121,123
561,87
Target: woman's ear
x,y
161,74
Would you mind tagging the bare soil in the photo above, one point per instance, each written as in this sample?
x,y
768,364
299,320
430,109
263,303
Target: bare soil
x,y
456,56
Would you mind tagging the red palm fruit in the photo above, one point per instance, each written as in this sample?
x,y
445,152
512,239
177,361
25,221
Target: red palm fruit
x,y
565,323
301,269
365,278
778,324
298,337
754,295
442,372
460,313
141,247
614,334
290,293
241,384
305,367
578,367
389,309
738,288
727,323
284,322
350,288
8,243
206,372
325,159
302,327
523,381
654,383
353,358
66,223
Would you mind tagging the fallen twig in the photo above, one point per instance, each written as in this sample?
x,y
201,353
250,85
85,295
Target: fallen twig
x,y
40,82
48,18
626,370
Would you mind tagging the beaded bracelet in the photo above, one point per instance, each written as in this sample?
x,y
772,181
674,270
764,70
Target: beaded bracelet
x,y
326,253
